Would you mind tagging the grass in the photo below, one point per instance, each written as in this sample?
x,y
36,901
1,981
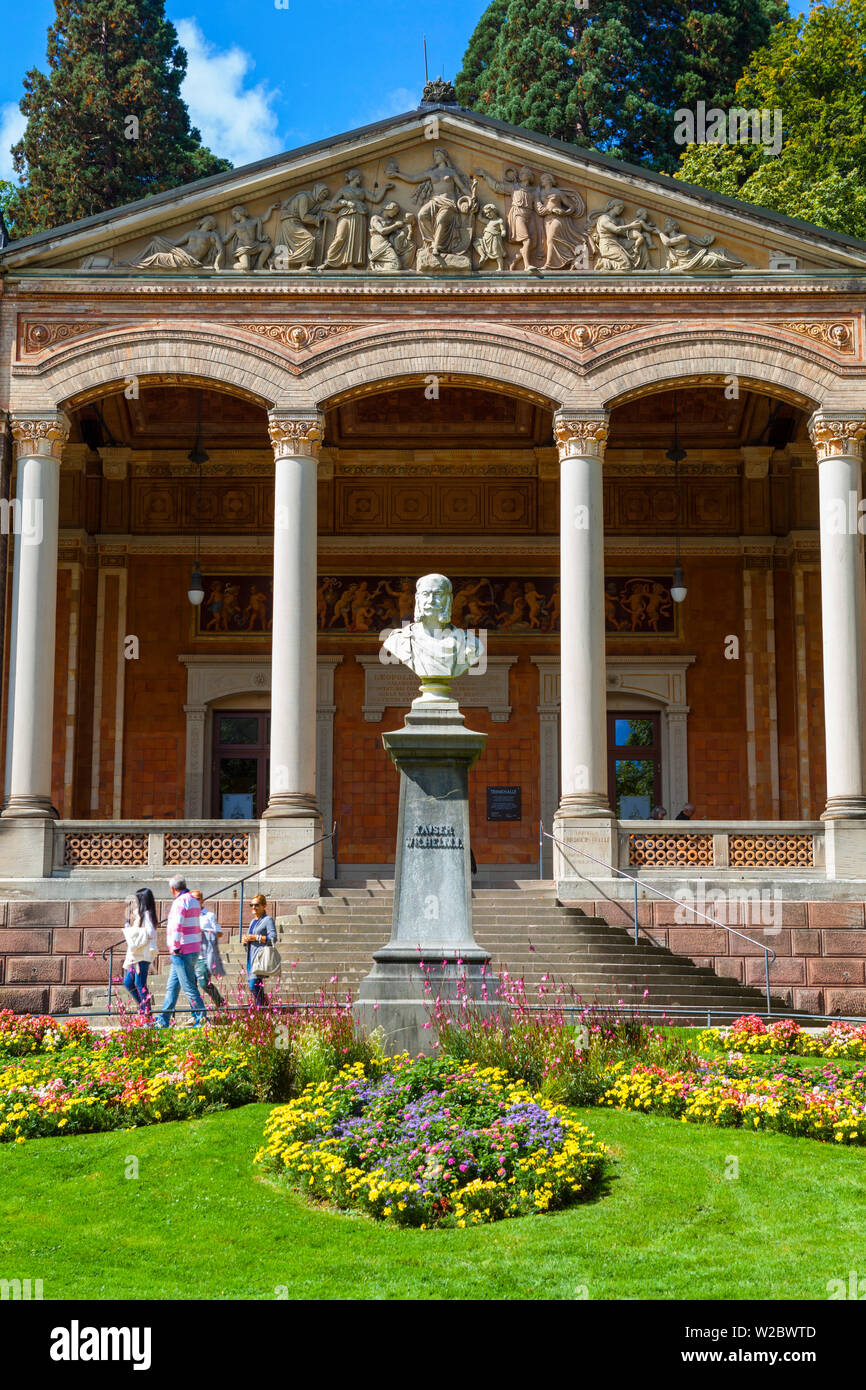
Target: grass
x,y
200,1222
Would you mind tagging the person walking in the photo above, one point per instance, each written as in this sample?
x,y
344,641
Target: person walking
x,y
209,963
183,941
262,929
139,932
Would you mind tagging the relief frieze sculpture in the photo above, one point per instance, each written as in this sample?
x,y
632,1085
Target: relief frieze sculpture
x,y
451,219
242,605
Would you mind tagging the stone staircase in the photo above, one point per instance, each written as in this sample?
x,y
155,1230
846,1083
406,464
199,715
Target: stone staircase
x,y
328,945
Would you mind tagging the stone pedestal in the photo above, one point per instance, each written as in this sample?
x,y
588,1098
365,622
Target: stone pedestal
x,y
301,875
432,917
845,847
26,848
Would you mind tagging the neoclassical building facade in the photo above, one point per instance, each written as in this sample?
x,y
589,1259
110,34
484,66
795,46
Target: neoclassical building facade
x,y
624,415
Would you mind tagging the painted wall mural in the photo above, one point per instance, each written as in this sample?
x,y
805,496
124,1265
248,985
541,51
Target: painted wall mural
x,y
241,605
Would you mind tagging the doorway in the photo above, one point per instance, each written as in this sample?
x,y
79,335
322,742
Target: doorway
x,y
634,763
241,763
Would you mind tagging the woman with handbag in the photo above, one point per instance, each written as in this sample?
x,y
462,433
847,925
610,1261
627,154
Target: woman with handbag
x,y
139,932
263,958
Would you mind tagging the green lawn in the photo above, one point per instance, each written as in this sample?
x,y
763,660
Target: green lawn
x,y
201,1222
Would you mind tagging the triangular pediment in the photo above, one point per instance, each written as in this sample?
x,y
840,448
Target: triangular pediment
x,y
437,191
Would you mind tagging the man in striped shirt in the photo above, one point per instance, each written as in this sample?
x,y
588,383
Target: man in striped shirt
x,y
183,941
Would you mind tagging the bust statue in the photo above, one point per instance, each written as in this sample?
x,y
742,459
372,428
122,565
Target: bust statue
x,y
431,646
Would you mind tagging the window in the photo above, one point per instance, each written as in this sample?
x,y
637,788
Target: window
x,y
241,745
634,763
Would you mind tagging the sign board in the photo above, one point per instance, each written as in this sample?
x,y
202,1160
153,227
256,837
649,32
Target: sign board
x,y
503,803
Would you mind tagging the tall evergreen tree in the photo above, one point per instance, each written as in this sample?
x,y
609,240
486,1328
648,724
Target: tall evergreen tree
x,y
612,75
81,153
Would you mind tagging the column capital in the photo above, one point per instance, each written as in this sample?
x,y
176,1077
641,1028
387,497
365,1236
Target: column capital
x,y
581,433
297,433
838,433
40,434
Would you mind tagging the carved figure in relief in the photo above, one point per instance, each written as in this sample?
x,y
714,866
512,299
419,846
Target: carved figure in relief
x,y
641,239
609,235
251,245
523,224
299,222
200,249
686,252
490,245
432,646
348,247
392,239
447,197
564,243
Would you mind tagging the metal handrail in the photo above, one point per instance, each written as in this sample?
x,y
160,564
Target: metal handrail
x,y
769,953
254,873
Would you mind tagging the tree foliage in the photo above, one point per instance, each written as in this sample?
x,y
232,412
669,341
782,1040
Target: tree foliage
x,y
612,75
108,60
813,70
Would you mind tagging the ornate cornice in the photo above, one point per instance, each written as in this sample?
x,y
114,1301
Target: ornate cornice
x,y
581,435
582,335
837,434
37,335
296,434
40,436
300,336
834,332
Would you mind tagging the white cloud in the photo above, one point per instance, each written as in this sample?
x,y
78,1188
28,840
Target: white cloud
x,y
236,122
12,125
396,102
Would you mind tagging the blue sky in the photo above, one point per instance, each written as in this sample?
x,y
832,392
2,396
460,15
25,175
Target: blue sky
x,y
264,79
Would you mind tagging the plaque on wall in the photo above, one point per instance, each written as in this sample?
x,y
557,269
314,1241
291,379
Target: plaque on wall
x,y
503,803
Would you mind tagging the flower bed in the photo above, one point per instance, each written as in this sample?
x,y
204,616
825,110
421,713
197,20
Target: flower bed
x,y
750,1034
431,1143
23,1034
137,1075
818,1105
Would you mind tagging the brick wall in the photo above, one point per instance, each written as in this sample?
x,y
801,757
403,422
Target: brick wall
x,y
49,951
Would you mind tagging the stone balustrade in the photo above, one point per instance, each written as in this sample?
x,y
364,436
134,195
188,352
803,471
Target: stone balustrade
x,y
729,846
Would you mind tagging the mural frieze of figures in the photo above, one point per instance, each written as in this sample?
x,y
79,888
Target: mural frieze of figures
x,y
439,218
239,605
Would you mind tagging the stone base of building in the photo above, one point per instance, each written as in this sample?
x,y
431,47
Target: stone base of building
x,y
293,847
583,848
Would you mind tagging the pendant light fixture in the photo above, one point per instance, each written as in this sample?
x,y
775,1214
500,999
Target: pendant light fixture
x,y
676,456
197,455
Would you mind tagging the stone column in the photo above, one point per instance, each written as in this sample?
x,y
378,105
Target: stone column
x,y
584,819
25,845
838,439
292,818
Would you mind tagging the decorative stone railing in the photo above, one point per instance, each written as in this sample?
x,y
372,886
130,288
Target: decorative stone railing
x,y
113,845
743,846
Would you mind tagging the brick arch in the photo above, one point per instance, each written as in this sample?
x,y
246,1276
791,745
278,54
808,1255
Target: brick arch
x,y
704,356
194,356
476,353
